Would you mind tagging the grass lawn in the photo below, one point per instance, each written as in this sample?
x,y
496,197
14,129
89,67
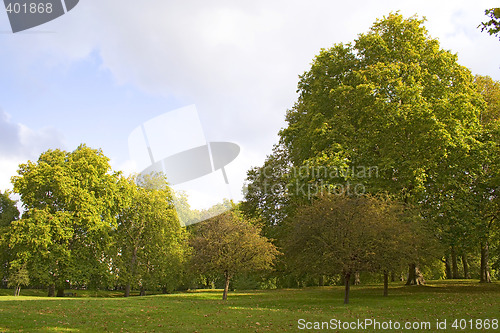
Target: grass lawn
x,y
253,311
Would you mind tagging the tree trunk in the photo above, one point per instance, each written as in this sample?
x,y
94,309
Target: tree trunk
x,y
412,275
447,267
18,291
143,291
386,283
321,280
357,281
485,271
465,263
347,280
226,285
60,291
393,277
127,290
454,265
52,290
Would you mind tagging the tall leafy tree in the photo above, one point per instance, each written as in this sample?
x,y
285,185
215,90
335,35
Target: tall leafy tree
x,y
482,179
485,191
71,202
392,100
462,206
150,243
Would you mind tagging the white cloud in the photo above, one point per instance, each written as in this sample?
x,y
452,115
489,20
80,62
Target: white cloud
x,y
18,144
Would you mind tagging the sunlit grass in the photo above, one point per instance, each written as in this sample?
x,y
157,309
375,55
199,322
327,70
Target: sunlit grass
x,y
252,311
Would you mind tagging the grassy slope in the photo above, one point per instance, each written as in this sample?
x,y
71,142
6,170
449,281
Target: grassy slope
x,y
252,311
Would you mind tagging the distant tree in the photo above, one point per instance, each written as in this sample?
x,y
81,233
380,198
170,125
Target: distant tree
x,y
150,243
486,176
266,191
214,210
343,235
8,209
490,89
71,202
18,277
228,245
493,25
485,193
186,215
8,214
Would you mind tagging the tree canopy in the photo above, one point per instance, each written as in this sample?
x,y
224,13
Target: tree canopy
x,y
71,200
344,235
228,245
382,102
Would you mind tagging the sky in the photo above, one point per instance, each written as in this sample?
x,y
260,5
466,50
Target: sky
x,y
97,73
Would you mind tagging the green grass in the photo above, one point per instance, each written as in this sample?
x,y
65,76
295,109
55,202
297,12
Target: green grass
x,y
250,311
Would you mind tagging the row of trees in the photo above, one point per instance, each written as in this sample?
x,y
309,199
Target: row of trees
x,y
394,115
84,226
390,159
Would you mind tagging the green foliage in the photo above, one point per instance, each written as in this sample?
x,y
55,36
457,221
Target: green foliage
x,y
186,215
493,25
18,277
8,214
8,209
150,243
71,201
342,235
382,102
228,245
395,103
490,90
266,192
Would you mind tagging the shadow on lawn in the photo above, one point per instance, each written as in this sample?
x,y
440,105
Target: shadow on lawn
x,y
452,287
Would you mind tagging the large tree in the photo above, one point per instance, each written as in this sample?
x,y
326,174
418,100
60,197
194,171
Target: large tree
x,y
150,243
228,245
337,234
394,102
384,101
71,201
